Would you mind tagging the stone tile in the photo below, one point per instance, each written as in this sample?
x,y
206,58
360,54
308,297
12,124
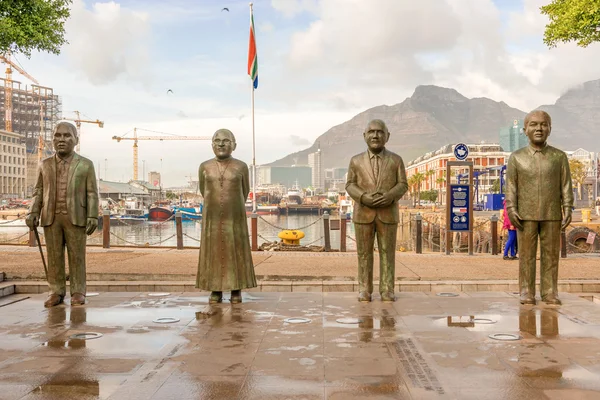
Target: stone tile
x,y
182,386
337,287
338,368
117,288
276,287
415,287
303,362
496,287
307,286
278,387
590,287
469,287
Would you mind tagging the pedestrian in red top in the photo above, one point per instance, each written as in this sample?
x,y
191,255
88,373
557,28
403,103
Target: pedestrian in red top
x,y
512,236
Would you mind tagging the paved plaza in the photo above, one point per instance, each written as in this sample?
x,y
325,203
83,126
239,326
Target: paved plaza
x,y
299,346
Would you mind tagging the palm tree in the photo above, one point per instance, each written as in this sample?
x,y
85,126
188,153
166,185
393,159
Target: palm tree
x,y
429,173
418,178
440,181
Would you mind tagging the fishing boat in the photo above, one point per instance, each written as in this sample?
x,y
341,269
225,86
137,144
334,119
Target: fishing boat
x,y
159,213
189,213
295,195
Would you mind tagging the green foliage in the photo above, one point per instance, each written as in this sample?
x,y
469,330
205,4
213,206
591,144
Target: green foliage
x,y
572,21
27,25
431,195
496,187
170,195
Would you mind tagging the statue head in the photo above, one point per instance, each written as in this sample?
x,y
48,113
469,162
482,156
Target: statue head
x,y
376,135
537,126
223,143
65,138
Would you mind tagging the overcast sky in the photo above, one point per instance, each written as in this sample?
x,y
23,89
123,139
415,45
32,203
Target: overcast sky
x,y
320,63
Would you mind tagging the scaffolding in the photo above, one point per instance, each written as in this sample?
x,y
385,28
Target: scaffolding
x,y
32,106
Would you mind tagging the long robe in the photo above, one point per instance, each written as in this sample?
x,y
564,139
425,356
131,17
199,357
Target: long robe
x,y
225,258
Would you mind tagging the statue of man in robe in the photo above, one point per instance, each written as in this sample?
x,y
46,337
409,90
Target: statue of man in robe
x,y
225,262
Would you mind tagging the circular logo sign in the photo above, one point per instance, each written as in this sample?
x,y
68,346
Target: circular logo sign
x,y
461,151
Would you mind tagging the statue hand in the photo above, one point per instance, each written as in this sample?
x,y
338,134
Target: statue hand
x,y
368,199
92,224
567,218
32,221
515,219
383,200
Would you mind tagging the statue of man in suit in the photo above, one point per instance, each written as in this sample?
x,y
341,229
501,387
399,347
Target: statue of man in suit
x,y
539,201
376,181
65,203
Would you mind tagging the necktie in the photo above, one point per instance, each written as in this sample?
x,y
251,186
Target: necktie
x,y
376,167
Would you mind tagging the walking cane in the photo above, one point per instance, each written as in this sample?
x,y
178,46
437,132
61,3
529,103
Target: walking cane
x,y
37,238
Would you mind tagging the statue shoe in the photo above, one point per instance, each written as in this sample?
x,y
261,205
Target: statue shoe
x,y
364,297
388,296
236,296
527,299
215,297
552,299
53,300
77,299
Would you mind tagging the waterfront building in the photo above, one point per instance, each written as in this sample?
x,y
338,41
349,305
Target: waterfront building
x,y
154,179
588,192
286,176
484,156
315,162
512,137
13,165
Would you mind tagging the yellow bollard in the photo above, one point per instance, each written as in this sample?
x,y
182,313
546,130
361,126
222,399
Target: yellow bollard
x,y
586,215
291,236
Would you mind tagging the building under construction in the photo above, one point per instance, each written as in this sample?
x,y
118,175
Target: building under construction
x,y
35,110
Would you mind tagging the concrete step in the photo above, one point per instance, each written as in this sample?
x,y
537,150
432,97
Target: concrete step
x,y
1,276
569,286
6,289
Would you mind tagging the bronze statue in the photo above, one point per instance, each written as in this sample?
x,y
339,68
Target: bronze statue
x,y
376,181
65,203
539,201
225,259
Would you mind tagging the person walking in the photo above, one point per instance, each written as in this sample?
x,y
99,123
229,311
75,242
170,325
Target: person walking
x,y
598,206
512,236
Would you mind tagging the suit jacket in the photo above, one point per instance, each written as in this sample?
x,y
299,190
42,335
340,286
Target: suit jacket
x,y
538,184
82,191
361,180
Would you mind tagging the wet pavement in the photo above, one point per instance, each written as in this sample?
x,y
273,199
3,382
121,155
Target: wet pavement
x,y
299,346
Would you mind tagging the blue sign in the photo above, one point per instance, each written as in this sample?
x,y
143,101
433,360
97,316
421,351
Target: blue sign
x,y
461,151
460,196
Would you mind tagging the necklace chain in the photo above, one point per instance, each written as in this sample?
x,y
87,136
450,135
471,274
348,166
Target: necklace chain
x,y
221,174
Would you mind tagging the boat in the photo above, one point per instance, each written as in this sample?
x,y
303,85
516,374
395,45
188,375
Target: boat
x,y
159,213
262,209
189,213
294,195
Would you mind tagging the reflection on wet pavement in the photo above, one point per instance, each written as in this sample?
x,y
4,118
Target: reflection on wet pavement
x,y
420,347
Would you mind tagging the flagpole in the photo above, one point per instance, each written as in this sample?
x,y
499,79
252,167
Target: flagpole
x,y
253,140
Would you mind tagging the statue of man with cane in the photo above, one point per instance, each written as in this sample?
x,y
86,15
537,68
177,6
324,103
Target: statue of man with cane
x,y
65,203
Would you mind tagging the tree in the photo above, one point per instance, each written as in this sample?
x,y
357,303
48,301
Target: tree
x,y
441,181
170,195
430,195
414,184
496,187
33,25
572,20
578,173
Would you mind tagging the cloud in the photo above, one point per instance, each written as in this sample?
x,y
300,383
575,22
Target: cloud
x,y
299,141
291,8
108,41
266,27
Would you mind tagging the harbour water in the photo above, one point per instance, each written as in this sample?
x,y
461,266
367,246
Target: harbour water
x,y
163,233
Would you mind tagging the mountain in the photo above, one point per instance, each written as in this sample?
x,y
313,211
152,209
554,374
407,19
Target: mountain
x,y
434,116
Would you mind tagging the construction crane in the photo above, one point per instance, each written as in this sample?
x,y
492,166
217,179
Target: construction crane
x,y
78,122
135,139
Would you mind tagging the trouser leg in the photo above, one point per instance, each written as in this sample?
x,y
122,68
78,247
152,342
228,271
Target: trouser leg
x,y
550,251
527,239
512,238
76,239
55,248
386,242
365,236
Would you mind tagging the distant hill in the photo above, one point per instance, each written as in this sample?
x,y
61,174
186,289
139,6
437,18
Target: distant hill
x,y
434,116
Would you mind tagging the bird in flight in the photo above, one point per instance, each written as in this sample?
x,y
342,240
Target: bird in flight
x,y
225,9
169,91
